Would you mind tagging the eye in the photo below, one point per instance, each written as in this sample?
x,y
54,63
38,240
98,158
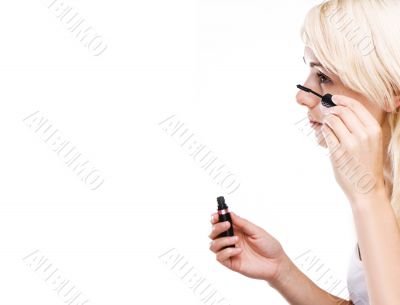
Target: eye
x,y
323,78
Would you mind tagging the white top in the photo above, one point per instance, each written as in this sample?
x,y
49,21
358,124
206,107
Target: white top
x,y
356,284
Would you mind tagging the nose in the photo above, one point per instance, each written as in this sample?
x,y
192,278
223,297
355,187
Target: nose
x,y
307,99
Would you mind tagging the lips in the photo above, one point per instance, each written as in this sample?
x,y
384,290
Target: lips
x,y
316,126
312,120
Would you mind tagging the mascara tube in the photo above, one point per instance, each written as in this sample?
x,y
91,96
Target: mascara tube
x,y
224,215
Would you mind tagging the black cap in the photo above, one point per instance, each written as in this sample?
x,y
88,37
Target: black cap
x,y
221,203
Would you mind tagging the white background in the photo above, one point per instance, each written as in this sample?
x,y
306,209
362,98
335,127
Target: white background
x,y
228,70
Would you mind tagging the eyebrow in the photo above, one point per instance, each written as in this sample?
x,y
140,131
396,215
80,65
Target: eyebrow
x,y
313,64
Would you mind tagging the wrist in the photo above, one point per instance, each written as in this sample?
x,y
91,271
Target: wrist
x,y
284,274
375,197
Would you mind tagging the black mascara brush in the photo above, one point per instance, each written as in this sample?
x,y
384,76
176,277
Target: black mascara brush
x,y
326,100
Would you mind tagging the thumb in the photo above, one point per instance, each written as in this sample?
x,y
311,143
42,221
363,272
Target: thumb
x,y
246,226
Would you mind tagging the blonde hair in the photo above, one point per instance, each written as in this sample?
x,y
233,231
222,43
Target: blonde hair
x,y
358,41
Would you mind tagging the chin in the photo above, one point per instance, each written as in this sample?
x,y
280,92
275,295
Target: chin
x,y
320,140
323,144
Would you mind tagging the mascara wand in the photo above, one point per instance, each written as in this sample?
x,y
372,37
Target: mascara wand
x,y
326,100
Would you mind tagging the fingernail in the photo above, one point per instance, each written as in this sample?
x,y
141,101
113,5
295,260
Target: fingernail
x,y
236,238
227,223
212,217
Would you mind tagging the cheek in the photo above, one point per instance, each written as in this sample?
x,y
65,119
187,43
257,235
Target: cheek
x,y
376,112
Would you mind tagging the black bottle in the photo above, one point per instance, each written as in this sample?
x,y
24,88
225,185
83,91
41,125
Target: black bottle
x,y
224,215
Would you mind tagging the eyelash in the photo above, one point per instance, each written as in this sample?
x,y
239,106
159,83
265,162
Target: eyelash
x,y
319,74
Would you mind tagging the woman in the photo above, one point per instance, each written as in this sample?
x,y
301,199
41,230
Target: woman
x,y
353,51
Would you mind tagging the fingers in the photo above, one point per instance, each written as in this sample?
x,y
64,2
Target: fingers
x,y
246,226
243,224
362,113
218,228
350,119
219,243
339,128
227,254
214,218
330,138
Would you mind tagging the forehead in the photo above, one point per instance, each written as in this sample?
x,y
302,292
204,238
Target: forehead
x,y
309,56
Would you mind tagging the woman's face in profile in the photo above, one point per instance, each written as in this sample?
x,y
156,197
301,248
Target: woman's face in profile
x,y
323,82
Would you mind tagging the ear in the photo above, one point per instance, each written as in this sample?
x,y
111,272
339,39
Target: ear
x,y
397,105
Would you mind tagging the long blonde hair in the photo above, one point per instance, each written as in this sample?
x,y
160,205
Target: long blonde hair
x,y
358,40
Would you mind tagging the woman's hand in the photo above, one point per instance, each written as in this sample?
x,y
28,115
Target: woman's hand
x,y
257,254
354,140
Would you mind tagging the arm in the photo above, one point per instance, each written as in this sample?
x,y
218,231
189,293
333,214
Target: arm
x,y
259,255
298,289
353,132
379,241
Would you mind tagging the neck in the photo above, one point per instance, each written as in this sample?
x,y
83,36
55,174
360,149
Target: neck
x,y
387,167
